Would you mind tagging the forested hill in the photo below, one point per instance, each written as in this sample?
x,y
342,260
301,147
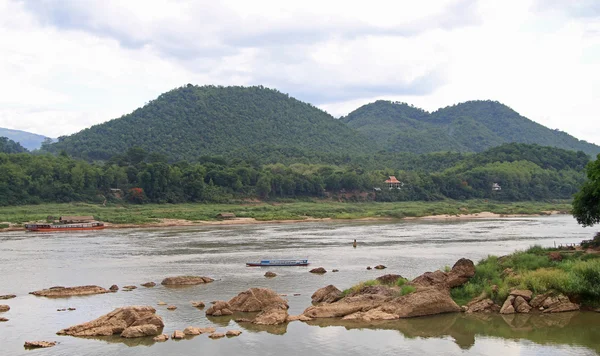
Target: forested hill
x,y
28,140
472,126
9,146
193,121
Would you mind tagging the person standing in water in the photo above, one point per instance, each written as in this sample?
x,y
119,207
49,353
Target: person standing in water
x,y
354,243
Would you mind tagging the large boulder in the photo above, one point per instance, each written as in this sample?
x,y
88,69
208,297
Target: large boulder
x,y
117,321
185,280
219,308
273,315
58,292
539,299
256,299
327,294
521,305
507,307
460,273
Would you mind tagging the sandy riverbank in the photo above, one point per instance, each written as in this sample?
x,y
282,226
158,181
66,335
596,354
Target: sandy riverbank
x,y
242,221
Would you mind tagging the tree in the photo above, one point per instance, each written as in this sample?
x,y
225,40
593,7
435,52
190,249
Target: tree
x,y
586,205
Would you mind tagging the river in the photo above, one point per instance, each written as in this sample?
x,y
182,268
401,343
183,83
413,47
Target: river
x,y
30,261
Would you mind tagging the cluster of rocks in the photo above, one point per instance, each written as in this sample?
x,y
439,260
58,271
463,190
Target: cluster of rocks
x,y
4,308
271,308
129,322
519,301
193,331
430,295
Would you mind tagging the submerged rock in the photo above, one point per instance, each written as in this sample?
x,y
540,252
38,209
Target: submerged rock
x,y
2,319
130,287
380,267
177,335
148,284
4,308
300,317
198,304
7,296
117,321
318,270
39,344
270,274
233,333
161,338
57,292
185,280
113,288
216,335
171,307
327,294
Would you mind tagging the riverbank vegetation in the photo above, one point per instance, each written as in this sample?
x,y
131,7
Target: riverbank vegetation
x,y
574,273
521,172
272,211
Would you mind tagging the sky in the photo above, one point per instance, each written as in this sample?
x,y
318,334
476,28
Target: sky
x,y
68,64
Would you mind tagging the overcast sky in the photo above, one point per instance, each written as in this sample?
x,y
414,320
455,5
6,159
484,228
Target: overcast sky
x,y
68,64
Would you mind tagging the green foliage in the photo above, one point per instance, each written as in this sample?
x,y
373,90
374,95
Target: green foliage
x,y
190,122
401,281
407,289
360,286
577,274
4,226
586,205
9,146
472,126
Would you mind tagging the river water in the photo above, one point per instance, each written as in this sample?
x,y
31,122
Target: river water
x,y
30,261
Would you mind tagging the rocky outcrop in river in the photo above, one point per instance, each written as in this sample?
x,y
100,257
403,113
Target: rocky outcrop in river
x,y
430,295
327,294
185,280
58,292
134,321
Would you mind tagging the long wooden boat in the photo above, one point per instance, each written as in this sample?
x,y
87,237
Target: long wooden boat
x,y
272,263
64,227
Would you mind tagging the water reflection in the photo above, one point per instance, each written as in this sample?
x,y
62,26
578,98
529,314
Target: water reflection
x,y
574,328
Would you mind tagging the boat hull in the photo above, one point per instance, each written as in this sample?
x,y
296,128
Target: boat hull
x,y
277,263
57,228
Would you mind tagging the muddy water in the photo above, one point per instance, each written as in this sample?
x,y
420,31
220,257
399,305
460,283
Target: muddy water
x,y
31,261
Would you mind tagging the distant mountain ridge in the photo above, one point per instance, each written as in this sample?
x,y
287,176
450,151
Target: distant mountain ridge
x,y
189,122
28,140
472,126
192,121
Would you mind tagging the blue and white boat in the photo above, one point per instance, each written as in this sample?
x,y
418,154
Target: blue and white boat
x,y
271,263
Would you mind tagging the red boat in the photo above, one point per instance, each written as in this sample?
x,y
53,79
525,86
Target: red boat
x,y
64,227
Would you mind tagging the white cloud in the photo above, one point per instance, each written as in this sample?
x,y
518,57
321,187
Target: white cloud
x,y
69,64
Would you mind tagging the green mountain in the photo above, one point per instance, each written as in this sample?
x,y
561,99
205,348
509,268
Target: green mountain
x,y
192,121
28,140
472,126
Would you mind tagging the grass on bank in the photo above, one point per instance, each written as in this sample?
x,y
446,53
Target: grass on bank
x,y
400,285
151,213
577,275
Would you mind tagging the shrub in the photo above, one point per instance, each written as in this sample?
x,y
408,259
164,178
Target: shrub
x,y
406,289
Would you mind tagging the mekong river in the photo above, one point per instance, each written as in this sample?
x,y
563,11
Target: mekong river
x,y
30,261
